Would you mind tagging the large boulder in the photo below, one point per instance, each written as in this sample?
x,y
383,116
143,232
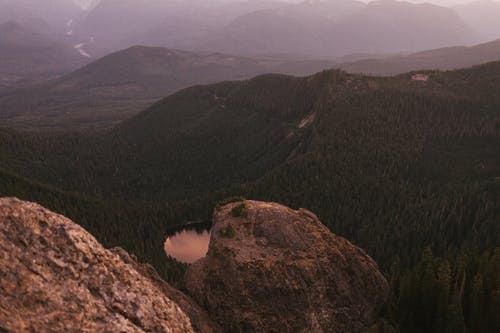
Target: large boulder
x,y
55,277
273,269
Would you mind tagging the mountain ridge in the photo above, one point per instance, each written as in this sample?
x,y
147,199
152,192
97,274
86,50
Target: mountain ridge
x,y
123,83
449,58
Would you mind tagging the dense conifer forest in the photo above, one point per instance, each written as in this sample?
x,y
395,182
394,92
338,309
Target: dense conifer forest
x,y
407,170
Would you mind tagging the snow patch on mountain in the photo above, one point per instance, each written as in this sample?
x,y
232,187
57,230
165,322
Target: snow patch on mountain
x,y
81,50
86,4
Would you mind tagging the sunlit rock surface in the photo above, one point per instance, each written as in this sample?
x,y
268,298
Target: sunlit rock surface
x,y
55,277
273,269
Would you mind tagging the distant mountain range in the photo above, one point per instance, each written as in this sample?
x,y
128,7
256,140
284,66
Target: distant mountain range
x,y
342,27
118,24
317,28
313,28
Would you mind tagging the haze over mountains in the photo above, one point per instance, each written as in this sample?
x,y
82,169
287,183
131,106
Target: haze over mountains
x,y
161,22
317,28
482,15
343,27
27,56
314,29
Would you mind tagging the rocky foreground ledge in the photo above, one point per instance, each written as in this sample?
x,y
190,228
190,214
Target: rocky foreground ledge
x,y
268,269
55,277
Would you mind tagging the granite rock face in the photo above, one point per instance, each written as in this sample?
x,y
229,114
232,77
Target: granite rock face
x,y
55,277
273,269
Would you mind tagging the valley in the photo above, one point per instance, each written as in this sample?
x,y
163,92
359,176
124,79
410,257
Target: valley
x,y
264,165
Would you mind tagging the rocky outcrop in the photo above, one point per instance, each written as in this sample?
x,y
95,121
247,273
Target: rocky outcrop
x,y
273,269
55,277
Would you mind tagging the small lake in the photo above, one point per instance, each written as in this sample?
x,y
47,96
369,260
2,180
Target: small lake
x,y
188,243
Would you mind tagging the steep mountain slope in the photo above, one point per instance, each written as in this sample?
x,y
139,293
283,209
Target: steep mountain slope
x,y
30,56
443,59
340,28
123,83
482,16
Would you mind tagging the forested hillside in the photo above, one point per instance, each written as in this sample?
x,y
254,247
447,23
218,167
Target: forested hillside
x,y
121,84
408,170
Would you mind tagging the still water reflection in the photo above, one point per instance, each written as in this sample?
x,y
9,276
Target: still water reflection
x,y
188,244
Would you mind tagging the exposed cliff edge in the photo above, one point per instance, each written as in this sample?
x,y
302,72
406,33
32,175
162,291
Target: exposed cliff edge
x,y
56,277
273,269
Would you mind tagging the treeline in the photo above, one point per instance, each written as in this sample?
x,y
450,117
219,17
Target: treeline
x,y
457,294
